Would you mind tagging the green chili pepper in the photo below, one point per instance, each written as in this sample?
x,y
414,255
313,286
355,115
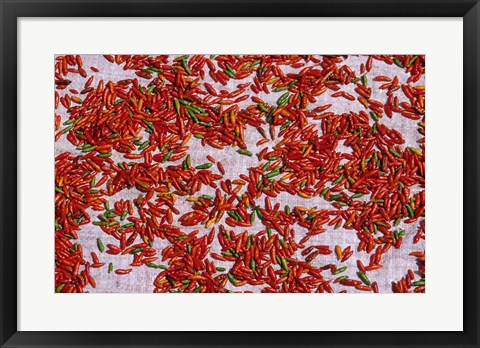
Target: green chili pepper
x,y
185,66
324,192
100,245
273,173
412,60
335,197
105,155
229,68
364,278
395,153
204,166
263,107
245,152
229,73
231,278
364,80
253,264
149,124
283,100
249,242
280,89
411,212
167,156
397,62
340,270
136,250
419,283
338,180
284,264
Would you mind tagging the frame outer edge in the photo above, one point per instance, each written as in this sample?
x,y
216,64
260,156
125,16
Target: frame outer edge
x,y
3,297
471,166
8,166
8,173
476,102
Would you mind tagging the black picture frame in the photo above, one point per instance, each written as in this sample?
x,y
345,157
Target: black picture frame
x,y
11,10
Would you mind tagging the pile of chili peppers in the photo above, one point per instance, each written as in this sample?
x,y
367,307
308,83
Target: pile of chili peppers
x,y
128,169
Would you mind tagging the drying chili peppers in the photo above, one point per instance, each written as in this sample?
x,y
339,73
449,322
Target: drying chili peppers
x,y
240,173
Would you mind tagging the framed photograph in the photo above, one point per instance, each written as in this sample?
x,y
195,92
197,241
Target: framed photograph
x,y
215,179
